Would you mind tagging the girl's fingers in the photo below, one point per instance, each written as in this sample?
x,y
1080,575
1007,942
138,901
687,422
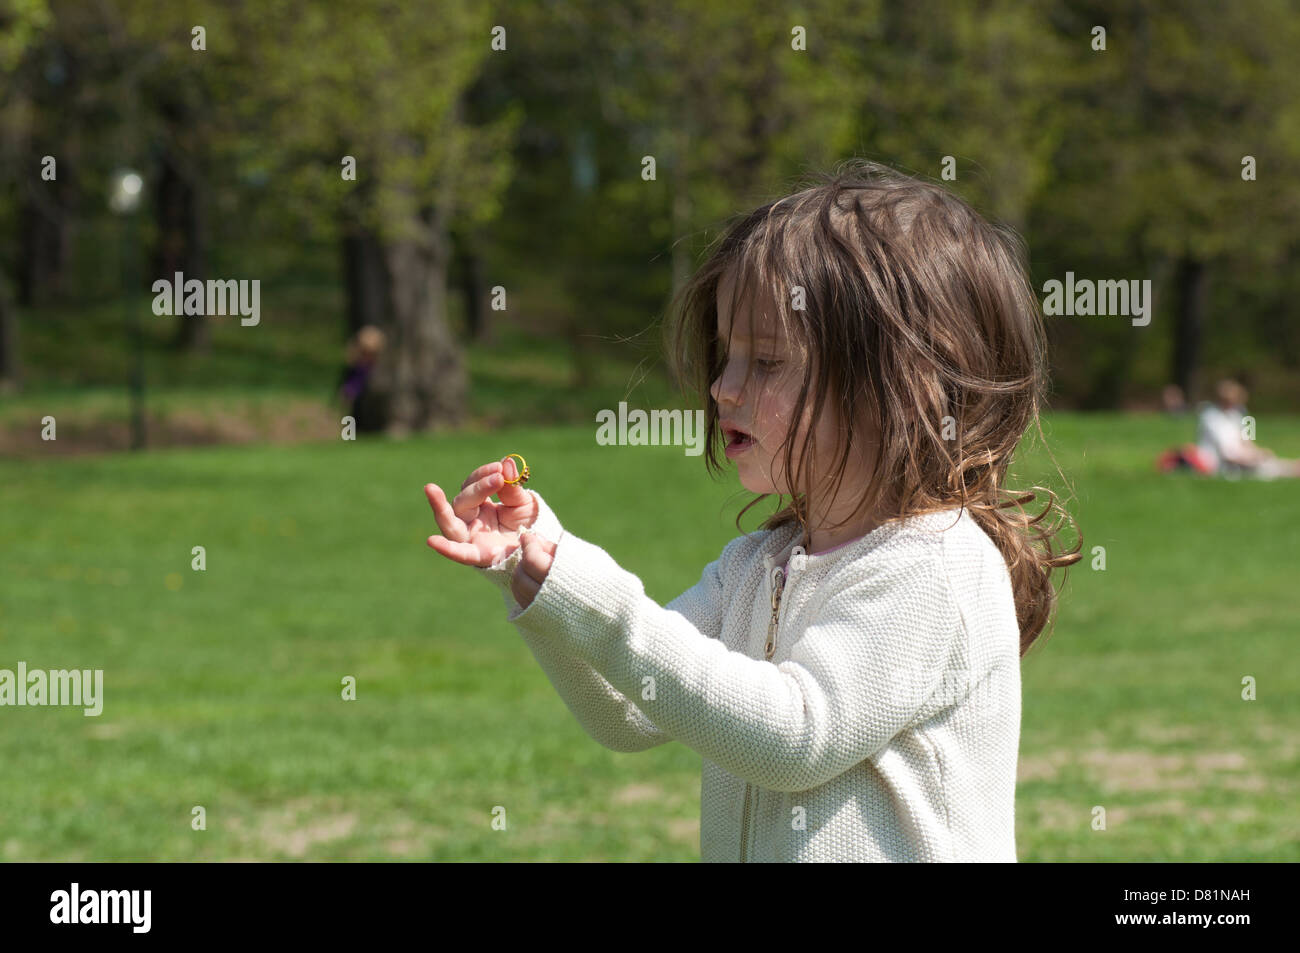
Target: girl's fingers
x,y
537,558
512,494
466,553
481,472
473,496
448,522
523,586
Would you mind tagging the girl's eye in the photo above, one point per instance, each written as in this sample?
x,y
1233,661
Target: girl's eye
x,y
770,366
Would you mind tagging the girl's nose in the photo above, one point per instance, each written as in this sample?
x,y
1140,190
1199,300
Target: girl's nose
x,y
729,384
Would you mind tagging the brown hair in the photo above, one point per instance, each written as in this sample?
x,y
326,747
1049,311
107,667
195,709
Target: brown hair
x,y
919,311
1229,393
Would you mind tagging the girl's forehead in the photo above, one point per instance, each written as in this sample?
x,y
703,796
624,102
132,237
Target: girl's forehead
x,y
749,308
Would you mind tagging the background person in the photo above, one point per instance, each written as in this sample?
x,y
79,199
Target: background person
x,y
355,389
1219,438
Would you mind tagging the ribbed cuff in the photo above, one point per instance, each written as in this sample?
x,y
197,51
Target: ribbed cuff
x,y
582,602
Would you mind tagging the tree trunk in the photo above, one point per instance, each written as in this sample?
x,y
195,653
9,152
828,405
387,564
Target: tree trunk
x,y
364,279
10,366
682,259
478,317
182,243
422,369
43,243
1190,289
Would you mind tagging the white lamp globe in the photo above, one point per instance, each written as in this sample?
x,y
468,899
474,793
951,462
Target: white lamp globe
x,y
125,189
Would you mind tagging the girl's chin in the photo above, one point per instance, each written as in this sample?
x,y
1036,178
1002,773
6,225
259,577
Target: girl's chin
x,y
756,485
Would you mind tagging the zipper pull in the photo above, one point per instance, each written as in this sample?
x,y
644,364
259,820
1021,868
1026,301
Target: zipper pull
x,y
778,580
778,584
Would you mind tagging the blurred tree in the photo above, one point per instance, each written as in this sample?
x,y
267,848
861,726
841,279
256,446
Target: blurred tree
x,y
36,79
24,25
979,83
110,86
1123,162
966,94
487,98
365,275
384,87
1150,174
179,103
471,278
727,102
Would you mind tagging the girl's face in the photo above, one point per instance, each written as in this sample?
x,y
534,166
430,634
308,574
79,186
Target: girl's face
x,y
763,406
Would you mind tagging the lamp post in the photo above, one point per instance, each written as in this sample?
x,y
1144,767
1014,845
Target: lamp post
x,y
125,190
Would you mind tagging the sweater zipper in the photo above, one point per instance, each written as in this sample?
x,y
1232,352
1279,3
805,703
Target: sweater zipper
x,y
778,585
769,649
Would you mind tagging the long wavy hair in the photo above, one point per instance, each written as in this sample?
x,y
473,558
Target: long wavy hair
x,y
920,330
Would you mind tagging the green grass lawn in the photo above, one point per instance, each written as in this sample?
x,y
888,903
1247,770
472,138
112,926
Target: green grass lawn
x,y
222,688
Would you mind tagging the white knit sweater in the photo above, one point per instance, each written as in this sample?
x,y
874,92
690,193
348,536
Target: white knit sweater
x,y
885,725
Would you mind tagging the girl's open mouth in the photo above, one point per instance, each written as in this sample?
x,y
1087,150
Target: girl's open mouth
x,y
739,443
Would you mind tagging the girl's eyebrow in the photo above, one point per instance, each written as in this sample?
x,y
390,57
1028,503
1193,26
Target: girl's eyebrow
x,y
761,338
764,346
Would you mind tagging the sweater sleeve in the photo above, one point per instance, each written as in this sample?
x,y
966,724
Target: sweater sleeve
x,y
857,675
605,713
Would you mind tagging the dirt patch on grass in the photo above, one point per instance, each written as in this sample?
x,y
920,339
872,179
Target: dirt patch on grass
x,y
638,794
685,830
1041,767
1172,734
1148,771
109,731
295,827
1055,814
404,840
276,421
1062,815
1138,771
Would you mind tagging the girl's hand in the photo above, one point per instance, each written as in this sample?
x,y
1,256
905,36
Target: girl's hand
x,y
532,569
479,532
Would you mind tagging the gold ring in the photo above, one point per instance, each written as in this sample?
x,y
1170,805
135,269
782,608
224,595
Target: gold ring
x,y
522,476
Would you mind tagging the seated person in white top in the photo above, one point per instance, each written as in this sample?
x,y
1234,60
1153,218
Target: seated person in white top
x,y
1219,437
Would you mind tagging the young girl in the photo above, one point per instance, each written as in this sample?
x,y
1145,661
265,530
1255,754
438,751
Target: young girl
x,y
849,673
